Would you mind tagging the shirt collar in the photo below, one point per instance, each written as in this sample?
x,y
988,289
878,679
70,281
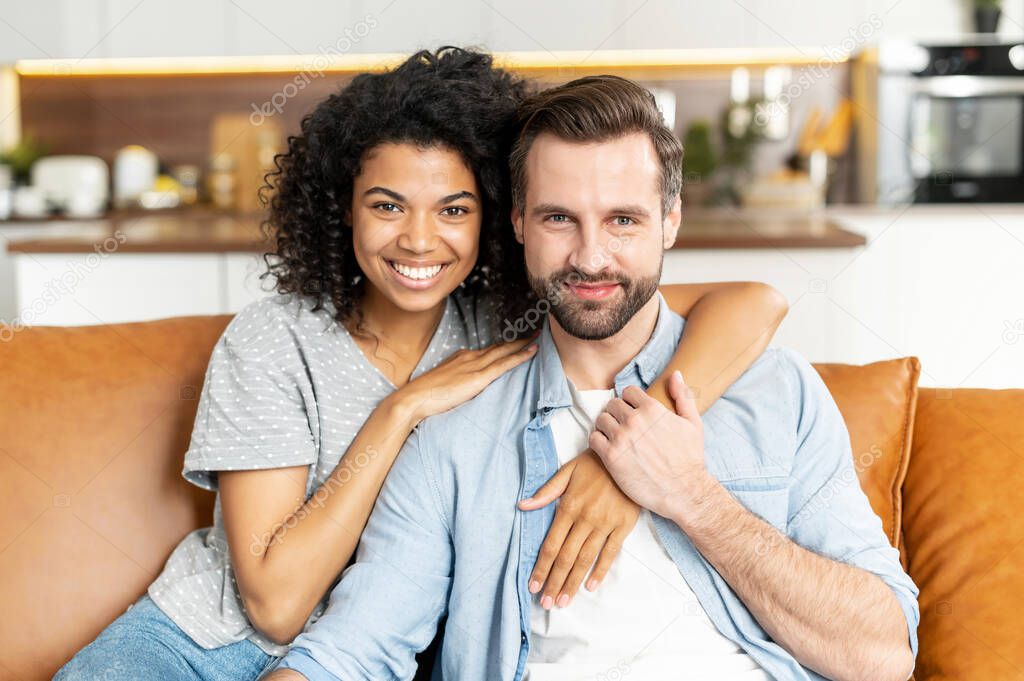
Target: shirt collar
x,y
641,370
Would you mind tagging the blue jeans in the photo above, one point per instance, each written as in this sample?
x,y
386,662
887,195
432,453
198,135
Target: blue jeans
x,y
144,644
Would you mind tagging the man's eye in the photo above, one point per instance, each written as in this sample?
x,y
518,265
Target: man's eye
x,y
623,221
387,207
559,218
454,211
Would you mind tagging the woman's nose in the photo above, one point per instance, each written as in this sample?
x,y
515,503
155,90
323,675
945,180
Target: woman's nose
x,y
420,235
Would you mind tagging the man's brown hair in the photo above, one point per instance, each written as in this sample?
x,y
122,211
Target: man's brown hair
x,y
596,109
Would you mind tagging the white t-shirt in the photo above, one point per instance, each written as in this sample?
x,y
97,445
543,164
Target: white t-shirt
x,y
643,623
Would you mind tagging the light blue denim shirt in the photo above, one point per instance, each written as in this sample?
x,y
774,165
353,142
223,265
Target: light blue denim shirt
x,y
445,536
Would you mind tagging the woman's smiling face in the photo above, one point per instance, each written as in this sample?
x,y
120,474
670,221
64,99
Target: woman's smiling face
x,y
416,215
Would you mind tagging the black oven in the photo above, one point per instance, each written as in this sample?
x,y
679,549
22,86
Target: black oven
x,y
948,123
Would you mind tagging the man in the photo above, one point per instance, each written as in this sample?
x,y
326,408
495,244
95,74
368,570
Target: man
x,y
757,556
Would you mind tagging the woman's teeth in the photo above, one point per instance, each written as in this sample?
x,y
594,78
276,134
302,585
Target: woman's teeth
x,y
416,272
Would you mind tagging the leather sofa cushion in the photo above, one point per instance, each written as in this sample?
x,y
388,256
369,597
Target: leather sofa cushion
x,y
94,424
877,402
963,533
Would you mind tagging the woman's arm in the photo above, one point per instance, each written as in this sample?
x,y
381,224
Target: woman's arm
x,y
287,550
728,326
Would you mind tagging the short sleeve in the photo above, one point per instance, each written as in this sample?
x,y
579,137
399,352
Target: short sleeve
x,y
829,513
257,403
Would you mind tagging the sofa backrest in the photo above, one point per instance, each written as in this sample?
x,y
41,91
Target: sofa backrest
x,y
95,420
93,426
964,533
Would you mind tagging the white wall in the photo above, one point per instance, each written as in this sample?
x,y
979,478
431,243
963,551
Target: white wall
x,y
74,29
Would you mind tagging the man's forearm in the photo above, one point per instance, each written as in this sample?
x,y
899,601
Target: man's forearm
x,y
839,620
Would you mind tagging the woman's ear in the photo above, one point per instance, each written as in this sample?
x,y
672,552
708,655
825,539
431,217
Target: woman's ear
x,y
346,216
670,223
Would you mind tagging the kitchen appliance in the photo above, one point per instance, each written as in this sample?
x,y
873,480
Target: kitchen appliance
x,y
77,184
940,123
29,202
135,172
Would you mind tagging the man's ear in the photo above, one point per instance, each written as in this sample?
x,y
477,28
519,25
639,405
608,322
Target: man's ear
x,y
517,223
670,224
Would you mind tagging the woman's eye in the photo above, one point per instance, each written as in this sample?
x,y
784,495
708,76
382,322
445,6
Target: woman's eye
x,y
454,211
387,207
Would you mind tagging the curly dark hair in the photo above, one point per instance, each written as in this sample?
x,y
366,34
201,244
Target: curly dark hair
x,y
453,98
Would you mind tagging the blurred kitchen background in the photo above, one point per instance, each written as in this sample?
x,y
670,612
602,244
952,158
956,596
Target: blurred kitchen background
x,y
865,157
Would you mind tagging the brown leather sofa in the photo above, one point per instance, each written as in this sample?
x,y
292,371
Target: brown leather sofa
x,y
94,422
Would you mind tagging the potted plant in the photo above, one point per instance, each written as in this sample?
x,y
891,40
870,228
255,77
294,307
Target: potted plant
x,y
986,15
20,158
741,131
699,162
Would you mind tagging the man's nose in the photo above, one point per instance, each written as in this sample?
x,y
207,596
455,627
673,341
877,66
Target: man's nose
x,y
591,254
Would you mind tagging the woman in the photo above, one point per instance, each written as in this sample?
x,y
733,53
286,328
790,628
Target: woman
x,y
396,270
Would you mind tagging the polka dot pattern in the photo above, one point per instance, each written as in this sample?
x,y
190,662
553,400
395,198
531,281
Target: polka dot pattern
x,y
285,386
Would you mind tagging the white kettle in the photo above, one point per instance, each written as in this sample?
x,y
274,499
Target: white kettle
x,y
135,171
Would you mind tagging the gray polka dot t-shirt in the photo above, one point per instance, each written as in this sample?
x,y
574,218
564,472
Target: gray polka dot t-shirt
x,y
285,386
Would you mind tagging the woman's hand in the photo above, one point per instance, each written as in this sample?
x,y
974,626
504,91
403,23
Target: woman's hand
x,y
460,377
593,519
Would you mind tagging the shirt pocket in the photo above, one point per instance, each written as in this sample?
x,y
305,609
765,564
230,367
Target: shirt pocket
x,y
767,498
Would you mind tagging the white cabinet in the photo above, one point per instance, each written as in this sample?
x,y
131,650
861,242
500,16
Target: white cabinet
x,y
242,283
27,30
801,275
72,288
162,29
943,284
72,29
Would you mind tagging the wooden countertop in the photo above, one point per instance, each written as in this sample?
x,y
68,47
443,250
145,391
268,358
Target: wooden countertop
x,y
207,231
744,228
196,230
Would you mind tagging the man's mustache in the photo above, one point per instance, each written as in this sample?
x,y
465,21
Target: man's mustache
x,y
574,276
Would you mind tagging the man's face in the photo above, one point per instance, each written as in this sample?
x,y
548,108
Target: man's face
x,y
593,230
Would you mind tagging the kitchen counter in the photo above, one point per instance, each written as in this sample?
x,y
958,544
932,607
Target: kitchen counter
x,y
729,228
197,230
208,231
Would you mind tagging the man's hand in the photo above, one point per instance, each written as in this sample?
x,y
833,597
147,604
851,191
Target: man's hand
x,y
656,456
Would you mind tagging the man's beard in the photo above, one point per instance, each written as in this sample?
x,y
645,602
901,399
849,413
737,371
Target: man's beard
x,y
593,319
